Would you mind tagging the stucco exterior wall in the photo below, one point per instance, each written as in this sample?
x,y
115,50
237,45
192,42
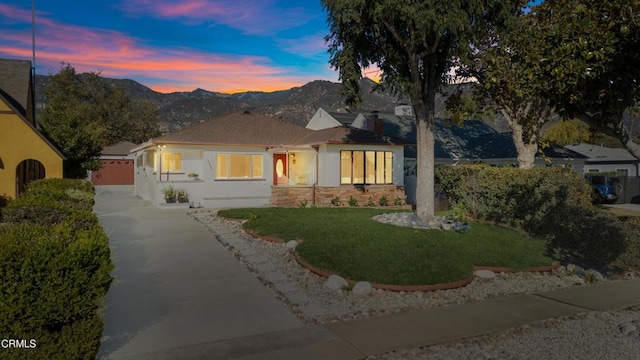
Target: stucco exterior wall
x,y
19,142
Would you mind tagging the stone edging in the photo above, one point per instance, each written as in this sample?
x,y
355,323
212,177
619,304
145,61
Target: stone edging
x,y
549,268
263,237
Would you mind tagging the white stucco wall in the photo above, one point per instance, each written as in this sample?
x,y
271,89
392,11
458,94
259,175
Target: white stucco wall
x,y
329,162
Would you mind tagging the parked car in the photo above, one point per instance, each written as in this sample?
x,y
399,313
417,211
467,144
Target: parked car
x,y
607,188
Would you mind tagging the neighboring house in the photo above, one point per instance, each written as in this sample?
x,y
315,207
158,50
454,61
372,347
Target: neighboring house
x,y
603,159
244,159
323,119
117,167
471,142
25,154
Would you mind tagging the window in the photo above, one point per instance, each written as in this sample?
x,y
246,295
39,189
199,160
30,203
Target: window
x,y
622,172
171,162
366,167
239,166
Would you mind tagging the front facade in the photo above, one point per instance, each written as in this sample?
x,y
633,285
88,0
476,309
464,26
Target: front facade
x,y
247,160
25,154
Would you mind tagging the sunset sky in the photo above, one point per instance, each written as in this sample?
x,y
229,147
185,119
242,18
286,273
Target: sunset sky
x,y
175,45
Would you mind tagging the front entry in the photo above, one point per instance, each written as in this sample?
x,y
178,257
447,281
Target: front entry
x,y
280,169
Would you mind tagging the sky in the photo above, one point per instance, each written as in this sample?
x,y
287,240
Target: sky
x,y
175,45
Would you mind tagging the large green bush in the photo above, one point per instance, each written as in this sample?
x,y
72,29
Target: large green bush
x,y
520,198
55,270
553,203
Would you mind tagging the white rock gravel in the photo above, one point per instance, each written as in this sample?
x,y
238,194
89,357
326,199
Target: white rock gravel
x,y
593,335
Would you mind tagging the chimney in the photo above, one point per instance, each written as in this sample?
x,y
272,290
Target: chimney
x,y
374,123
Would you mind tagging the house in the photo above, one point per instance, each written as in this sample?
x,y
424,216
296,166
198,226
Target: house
x,y
323,119
245,159
472,141
604,159
117,166
25,154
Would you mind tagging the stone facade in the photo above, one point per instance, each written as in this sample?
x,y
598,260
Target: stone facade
x,y
322,196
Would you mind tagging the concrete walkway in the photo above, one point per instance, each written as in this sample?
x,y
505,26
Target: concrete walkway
x,y
179,294
175,286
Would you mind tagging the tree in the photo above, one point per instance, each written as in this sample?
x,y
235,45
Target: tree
x,y
510,81
85,113
414,44
569,132
591,54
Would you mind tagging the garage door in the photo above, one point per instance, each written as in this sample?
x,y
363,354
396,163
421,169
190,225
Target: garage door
x,y
114,172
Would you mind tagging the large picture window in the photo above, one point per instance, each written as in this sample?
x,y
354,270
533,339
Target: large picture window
x,y
171,162
366,167
239,166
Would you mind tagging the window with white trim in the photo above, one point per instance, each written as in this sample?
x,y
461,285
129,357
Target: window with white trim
x,y
171,162
366,167
239,166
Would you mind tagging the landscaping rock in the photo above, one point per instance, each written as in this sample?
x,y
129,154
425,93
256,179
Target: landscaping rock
x,y
627,328
291,244
335,282
362,288
408,219
485,274
596,274
575,269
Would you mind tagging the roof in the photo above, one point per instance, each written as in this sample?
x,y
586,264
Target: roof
x,y
121,148
348,135
601,153
239,128
344,118
15,79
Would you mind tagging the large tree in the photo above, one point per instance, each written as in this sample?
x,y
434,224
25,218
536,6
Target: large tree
x,y
508,68
85,113
591,55
414,43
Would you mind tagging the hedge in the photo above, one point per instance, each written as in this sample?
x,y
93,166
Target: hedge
x,y
553,203
55,267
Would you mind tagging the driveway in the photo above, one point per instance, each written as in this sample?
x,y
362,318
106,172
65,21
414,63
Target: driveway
x,y
174,285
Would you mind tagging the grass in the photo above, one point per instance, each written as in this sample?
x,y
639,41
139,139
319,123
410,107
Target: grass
x,y
348,242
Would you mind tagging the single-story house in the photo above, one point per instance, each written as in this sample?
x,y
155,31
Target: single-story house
x,y
604,159
117,166
25,154
245,159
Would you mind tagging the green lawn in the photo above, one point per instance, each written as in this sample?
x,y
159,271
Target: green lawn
x,y
348,242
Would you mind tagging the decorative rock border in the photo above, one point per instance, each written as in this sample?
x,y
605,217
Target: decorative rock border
x,y
407,288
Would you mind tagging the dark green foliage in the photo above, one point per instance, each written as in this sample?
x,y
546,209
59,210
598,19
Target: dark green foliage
x,y
55,269
550,202
4,201
521,198
85,113
630,259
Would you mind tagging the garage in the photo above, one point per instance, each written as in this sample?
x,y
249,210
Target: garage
x,y
117,165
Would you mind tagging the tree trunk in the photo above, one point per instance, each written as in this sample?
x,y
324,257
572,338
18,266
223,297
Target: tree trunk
x,y
425,163
621,134
526,150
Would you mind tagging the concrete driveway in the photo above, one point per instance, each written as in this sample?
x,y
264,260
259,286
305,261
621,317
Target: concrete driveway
x,y
175,286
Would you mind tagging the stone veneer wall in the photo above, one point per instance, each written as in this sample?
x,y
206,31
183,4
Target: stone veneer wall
x,y
322,196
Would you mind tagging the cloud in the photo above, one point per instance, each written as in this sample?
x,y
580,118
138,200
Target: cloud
x,y
117,54
252,17
307,46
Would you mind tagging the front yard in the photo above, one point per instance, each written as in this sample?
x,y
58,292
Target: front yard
x,y
346,241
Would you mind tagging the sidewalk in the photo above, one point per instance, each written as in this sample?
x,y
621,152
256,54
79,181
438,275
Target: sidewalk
x,y
428,327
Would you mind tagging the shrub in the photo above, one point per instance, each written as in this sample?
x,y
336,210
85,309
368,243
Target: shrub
x,y
370,201
353,201
4,201
398,201
53,281
383,201
336,201
520,198
630,258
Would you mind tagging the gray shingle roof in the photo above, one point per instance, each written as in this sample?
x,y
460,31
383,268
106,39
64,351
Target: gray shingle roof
x,y
121,148
601,153
348,135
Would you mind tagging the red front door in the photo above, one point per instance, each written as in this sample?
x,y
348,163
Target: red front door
x,y
280,169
